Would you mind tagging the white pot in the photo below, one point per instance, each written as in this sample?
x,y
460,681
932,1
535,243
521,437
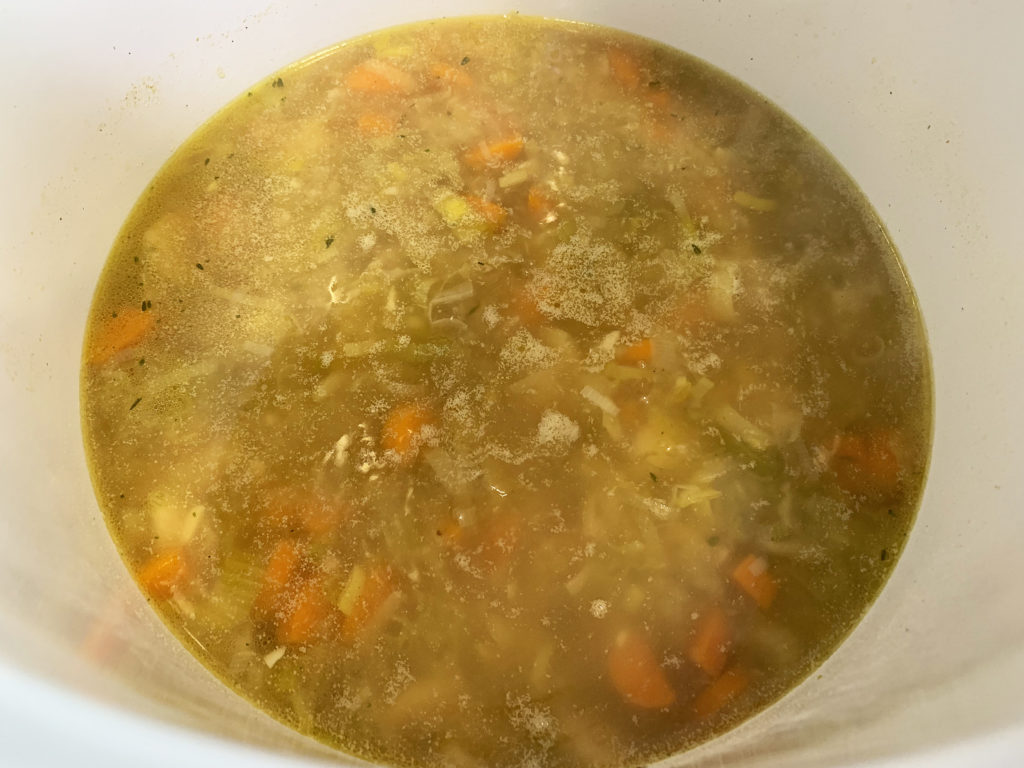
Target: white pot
x,y
922,102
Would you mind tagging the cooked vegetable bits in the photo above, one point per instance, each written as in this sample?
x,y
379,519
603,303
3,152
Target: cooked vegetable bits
x,y
500,392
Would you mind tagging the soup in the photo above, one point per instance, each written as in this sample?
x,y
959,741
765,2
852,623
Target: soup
x,y
506,391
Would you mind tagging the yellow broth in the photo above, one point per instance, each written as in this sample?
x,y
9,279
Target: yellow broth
x,y
502,391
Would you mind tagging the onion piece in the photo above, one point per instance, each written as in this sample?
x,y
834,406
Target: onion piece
x,y
602,401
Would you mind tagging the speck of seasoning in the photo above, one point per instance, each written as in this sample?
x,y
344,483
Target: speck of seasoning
x,y
135,259
696,248
373,210
328,241
206,161
438,533
137,401
885,555
248,94
121,496
480,263
113,314
237,317
142,361
654,477
654,83
401,135
199,266
279,83
713,541
891,512
426,150
465,60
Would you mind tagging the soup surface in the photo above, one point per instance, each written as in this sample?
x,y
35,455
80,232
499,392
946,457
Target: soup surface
x,y
505,392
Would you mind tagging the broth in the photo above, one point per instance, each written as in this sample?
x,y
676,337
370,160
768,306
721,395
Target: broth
x,y
505,391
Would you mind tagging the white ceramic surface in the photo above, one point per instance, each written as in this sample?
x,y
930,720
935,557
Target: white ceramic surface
x,y
923,103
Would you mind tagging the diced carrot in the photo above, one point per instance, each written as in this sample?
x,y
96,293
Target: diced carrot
x,y
867,462
525,308
376,124
753,577
376,589
456,76
495,153
165,573
624,68
709,648
119,333
720,692
637,354
497,542
278,577
303,615
376,76
539,203
636,674
492,213
403,428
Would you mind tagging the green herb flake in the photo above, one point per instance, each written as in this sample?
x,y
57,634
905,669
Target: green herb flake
x,y
654,477
199,266
137,401
329,240
696,248
884,555
279,83
142,361
373,210
713,541
465,60
206,161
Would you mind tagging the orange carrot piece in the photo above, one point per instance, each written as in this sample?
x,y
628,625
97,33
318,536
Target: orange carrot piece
x,y
376,76
524,306
165,573
117,334
637,354
732,682
376,590
278,576
497,542
709,648
753,577
376,124
636,674
867,462
493,154
403,428
624,69
492,213
456,76
304,614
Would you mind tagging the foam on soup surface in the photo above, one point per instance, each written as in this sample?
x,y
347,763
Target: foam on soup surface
x,y
502,392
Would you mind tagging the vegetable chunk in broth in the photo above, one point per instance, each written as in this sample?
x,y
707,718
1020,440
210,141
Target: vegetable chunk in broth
x,y
502,391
